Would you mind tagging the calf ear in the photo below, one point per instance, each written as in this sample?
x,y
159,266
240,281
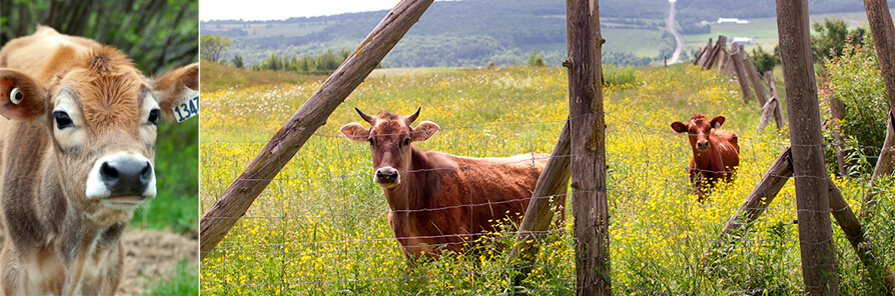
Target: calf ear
x,y
21,97
424,131
178,93
355,131
717,121
679,127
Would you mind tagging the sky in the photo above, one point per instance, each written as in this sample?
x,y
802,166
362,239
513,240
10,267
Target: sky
x,y
283,9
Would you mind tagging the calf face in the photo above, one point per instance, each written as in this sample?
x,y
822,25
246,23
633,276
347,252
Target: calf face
x,y
699,129
390,137
101,115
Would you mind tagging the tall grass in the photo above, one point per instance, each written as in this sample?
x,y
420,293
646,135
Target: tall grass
x,y
321,226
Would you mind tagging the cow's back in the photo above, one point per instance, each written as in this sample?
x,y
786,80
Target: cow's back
x,y
31,53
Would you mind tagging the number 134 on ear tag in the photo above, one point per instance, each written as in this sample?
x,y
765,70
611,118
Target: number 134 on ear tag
x,y
187,106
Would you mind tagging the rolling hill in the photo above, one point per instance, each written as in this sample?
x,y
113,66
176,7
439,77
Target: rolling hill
x,y
478,32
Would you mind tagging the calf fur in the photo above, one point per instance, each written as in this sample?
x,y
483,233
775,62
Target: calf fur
x,y
76,158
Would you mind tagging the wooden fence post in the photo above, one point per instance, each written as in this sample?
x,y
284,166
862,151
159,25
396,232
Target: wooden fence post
x,y
587,125
740,70
837,111
237,198
699,54
767,111
722,42
722,58
881,27
811,180
757,83
884,165
705,54
772,89
880,21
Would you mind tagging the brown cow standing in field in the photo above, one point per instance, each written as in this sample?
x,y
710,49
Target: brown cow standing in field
x,y
76,159
439,200
716,154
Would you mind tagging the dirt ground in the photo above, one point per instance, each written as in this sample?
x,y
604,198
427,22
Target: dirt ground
x,y
152,255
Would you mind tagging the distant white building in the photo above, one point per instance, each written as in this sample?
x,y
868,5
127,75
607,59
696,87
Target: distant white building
x,y
742,40
736,21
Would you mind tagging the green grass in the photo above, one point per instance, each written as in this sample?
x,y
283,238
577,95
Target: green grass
x,y
638,41
183,282
321,228
764,30
217,77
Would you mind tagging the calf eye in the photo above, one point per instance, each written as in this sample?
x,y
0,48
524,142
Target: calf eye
x,y
153,116
370,140
406,141
62,119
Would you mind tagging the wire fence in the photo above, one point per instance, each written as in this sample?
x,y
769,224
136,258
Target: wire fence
x,y
323,227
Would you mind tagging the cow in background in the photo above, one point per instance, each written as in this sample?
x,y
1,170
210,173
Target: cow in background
x,y
437,200
76,159
716,154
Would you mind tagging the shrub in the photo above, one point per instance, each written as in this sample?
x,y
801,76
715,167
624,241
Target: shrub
x,y
618,76
855,79
831,37
535,59
764,61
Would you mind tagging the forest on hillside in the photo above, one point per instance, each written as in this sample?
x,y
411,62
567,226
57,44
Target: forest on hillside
x,y
479,32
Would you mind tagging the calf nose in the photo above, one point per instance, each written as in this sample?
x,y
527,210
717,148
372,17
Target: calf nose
x,y
702,145
126,176
386,175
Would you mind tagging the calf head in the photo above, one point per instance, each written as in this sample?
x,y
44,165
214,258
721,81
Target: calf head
x,y
699,128
101,115
390,136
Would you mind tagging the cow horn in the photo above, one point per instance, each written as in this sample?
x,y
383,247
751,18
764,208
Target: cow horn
x,y
367,117
413,116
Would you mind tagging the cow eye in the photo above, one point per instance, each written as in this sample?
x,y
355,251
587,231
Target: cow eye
x,y
153,116
62,119
406,141
370,139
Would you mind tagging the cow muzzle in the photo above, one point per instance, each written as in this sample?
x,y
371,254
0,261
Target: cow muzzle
x,y
121,181
702,146
387,177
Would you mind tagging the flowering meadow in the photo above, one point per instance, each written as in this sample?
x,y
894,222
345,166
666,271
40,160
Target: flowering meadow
x,y
321,226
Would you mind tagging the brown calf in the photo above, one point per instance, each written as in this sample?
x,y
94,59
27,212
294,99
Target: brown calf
x,y
438,200
76,158
716,154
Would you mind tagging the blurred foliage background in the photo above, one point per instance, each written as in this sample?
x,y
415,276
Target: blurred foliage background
x,y
157,34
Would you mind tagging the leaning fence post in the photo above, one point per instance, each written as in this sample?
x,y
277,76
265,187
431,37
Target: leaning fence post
x,y
549,191
757,83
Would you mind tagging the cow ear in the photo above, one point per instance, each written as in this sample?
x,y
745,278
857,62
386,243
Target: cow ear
x,y
177,93
355,131
21,97
679,127
424,131
717,121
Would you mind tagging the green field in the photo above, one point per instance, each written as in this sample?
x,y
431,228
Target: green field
x,y
320,227
764,30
